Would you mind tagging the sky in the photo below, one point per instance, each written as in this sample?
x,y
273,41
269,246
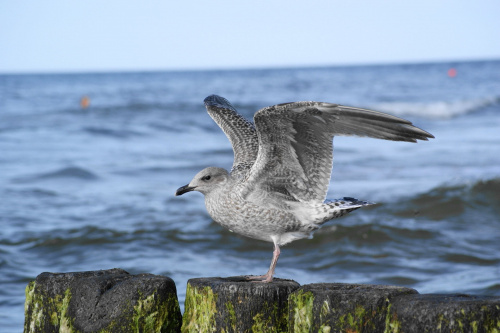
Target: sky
x,y
126,35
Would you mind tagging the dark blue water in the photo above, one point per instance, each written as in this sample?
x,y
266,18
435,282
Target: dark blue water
x,y
87,189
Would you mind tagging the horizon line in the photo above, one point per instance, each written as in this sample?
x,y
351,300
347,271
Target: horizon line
x,y
241,68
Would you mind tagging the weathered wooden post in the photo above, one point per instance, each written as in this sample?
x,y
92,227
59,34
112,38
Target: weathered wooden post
x,y
236,305
341,307
444,313
101,301
115,301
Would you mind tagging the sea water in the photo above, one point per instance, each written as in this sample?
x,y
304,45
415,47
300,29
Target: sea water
x,y
89,164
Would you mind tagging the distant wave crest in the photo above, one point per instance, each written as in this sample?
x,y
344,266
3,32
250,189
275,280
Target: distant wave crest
x,y
437,110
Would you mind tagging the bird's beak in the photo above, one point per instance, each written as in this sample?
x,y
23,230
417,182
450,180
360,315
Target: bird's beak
x,y
184,189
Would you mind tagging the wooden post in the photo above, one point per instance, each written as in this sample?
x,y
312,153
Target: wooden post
x,y
236,305
341,307
101,301
115,301
444,313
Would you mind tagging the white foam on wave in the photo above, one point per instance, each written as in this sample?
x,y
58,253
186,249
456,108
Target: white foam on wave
x,y
436,110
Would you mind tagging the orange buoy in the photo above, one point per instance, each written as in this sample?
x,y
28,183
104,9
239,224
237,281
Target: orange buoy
x,y
452,72
85,102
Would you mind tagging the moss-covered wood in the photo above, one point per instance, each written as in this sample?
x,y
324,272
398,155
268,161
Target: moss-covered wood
x,y
101,301
445,313
115,301
340,307
236,305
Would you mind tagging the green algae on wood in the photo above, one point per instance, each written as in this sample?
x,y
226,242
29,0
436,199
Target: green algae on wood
x,y
231,318
152,314
301,303
272,317
199,310
44,313
236,305
338,307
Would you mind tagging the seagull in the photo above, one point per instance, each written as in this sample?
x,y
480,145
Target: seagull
x,y
276,189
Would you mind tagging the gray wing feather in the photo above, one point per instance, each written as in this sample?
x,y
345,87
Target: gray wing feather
x,y
240,132
295,155
348,120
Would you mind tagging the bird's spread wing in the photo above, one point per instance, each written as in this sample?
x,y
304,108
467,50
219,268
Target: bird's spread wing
x,y
240,132
295,155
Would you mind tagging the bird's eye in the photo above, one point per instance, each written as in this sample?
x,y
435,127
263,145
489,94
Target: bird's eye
x,y
206,177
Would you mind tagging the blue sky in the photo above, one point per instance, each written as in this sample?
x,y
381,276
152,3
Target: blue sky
x,y
92,35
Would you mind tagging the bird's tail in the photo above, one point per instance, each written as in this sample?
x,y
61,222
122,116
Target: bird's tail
x,y
348,203
340,207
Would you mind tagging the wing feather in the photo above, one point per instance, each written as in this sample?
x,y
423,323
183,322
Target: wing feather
x,y
295,153
240,132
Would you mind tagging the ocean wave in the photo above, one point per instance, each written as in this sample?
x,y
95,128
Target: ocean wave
x,y
68,172
109,132
461,258
450,201
118,106
85,236
439,109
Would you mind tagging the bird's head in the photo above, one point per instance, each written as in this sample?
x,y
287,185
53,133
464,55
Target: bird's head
x,y
205,181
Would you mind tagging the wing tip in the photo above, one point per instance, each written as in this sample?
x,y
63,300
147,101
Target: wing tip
x,y
420,134
217,102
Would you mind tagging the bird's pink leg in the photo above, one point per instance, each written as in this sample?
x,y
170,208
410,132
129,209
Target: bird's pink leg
x,y
268,277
